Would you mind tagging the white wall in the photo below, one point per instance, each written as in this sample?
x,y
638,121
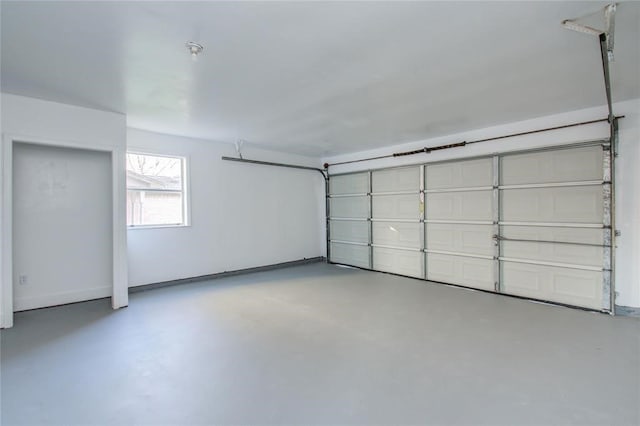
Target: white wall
x,y
242,215
628,205
55,121
35,120
627,173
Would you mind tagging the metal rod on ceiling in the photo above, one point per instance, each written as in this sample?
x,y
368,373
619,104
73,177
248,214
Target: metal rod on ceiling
x,y
270,163
427,150
605,70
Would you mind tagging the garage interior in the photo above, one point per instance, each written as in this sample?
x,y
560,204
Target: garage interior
x,y
320,213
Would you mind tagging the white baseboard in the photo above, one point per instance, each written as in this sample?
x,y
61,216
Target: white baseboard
x,y
26,303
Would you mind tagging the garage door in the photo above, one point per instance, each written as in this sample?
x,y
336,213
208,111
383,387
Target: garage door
x,y
396,221
459,223
349,206
534,224
552,225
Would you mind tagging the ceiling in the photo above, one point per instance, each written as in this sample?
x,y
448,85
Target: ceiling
x,y
315,78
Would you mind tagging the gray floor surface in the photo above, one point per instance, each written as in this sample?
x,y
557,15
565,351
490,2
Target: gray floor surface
x,y
319,344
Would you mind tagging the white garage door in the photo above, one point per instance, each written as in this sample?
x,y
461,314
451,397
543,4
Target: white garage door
x,y
349,206
397,221
459,223
533,224
552,225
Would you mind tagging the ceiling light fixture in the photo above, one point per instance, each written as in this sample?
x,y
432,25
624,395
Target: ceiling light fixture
x,y
194,48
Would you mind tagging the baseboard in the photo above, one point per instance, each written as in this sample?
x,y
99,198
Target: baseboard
x,y
153,286
627,311
49,300
6,321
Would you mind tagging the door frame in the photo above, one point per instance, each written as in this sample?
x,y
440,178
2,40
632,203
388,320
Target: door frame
x,y
119,295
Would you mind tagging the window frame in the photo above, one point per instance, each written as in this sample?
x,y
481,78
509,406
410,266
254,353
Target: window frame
x,y
185,191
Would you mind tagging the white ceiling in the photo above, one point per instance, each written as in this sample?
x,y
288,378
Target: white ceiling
x,y
315,78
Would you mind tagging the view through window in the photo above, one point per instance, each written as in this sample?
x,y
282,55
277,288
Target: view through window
x,y
155,190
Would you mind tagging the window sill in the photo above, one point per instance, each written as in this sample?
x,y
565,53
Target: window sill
x,y
135,227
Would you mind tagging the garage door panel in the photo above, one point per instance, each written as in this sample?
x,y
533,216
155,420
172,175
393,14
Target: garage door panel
x,y
403,262
350,254
569,205
561,253
460,174
572,235
396,206
390,180
470,239
471,205
357,183
466,271
563,165
562,285
350,230
571,285
397,234
350,207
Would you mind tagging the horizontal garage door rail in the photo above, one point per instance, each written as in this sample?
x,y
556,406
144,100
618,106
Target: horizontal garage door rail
x,y
554,184
348,195
455,253
396,247
556,224
467,189
558,264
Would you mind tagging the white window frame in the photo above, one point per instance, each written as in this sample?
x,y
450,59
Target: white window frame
x,y
186,198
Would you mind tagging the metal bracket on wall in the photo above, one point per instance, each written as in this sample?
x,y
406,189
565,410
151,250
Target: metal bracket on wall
x,y
496,223
609,190
423,226
607,296
369,194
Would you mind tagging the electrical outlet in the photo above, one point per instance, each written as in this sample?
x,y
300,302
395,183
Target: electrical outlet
x,y
22,279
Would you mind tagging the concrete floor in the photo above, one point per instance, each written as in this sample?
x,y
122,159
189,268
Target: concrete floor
x,y
319,344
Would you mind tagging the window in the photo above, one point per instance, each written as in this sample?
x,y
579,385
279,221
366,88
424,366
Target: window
x,y
156,190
